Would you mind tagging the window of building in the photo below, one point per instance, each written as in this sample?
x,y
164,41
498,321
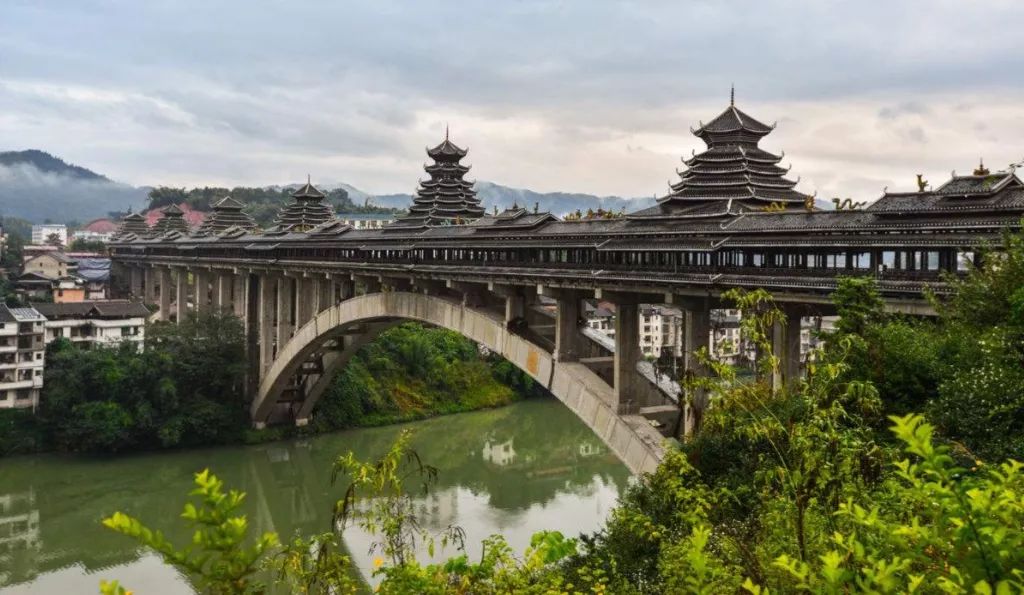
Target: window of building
x,y
39,355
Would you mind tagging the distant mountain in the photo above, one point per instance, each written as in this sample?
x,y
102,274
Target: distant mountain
x,y
37,186
559,203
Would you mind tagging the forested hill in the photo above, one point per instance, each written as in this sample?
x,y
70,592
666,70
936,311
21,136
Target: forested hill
x,y
37,186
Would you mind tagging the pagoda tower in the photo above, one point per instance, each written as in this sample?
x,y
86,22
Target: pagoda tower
x,y
227,212
306,211
173,220
732,176
445,198
133,223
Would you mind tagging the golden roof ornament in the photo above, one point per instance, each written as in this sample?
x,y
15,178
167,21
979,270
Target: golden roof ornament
x,y
847,204
922,183
981,169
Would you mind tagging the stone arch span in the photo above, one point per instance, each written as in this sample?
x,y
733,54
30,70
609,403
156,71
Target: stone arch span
x,y
362,318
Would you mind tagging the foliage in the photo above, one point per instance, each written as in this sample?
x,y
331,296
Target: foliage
x,y
19,432
83,245
412,371
218,560
262,203
184,388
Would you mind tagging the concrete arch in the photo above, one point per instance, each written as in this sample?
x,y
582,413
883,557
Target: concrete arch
x,y
630,437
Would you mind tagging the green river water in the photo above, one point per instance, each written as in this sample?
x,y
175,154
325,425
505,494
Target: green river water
x,y
514,470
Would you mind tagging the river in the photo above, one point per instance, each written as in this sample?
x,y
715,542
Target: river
x,y
515,470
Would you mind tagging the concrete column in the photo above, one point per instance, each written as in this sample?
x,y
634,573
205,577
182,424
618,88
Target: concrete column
x,y
346,289
568,341
265,308
149,281
135,282
786,347
165,293
325,292
222,292
627,354
201,291
695,335
240,295
305,295
285,303
181,293
368,283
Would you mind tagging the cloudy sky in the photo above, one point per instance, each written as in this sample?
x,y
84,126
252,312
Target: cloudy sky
x,y
587,96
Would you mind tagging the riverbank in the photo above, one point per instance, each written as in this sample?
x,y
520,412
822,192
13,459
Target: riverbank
x,y
184,391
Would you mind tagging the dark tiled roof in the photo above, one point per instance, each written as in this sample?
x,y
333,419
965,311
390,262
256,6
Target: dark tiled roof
x,y
972,185
306,211
107,309
446,197
227,212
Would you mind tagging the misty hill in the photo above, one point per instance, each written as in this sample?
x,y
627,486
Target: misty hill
x,y
559,203
37,186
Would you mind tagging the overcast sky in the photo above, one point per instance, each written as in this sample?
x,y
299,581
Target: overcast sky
x,y
585,96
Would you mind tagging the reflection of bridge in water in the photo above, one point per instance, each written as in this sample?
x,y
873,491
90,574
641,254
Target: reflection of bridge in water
x,y
288,486
312,289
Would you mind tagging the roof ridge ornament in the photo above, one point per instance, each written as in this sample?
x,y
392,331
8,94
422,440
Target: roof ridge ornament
x,y
732,95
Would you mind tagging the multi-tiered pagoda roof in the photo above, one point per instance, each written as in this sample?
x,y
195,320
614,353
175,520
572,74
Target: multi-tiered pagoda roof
x,y
445,198
227,213
173,220
306,211
133,223
733,176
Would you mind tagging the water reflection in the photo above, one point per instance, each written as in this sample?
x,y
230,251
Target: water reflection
x,y
514,470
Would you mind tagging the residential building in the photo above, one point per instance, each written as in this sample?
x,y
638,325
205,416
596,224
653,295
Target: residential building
x,y
53,264
95,323
41,232
366,220
661,327
91,236
68,289
22,349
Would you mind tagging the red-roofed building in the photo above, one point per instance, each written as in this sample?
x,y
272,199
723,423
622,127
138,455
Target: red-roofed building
x,y
193,217
100,226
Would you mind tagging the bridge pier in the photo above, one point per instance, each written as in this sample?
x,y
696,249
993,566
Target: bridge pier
x,y
240,296
627,354
285,303
265,323
201,291
165,293
134,282
696,330
786,347
181,293
149,282
568,340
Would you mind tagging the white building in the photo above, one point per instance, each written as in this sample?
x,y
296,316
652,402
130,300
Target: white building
x,y
96,323
21,357
661,327
91,236
44,230
366,220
